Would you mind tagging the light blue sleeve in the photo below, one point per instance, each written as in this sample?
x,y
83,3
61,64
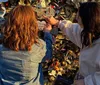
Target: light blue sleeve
x,y
72,31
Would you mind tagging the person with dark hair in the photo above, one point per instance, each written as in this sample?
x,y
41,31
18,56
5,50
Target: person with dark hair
x,y
24,2
22,50
86,35
27,2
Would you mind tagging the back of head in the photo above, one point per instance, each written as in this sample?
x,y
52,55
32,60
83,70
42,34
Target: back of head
x,y
20,29
90,15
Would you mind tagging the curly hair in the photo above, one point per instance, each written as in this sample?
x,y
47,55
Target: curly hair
x,y
90,15
21,29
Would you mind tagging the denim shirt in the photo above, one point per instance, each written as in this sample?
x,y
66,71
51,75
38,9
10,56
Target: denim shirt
x,y
49,41
22,67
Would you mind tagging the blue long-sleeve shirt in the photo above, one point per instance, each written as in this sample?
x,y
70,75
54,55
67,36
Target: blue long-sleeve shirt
x,y
49,41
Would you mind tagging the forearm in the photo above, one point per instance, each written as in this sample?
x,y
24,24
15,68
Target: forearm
x,y
48,40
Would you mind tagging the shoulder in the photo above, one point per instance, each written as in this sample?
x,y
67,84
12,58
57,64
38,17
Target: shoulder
x,y
2,48
76,28
40,45
42,42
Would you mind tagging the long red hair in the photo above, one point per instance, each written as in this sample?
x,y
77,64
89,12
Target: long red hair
x,y
21,29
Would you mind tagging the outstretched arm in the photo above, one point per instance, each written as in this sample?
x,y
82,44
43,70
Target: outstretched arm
x,y
48,40
69,29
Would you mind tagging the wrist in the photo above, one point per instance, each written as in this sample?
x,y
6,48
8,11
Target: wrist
x,y
46,30
57,23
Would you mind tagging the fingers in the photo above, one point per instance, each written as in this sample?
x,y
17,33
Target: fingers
x,y
46,18
48,27
50,20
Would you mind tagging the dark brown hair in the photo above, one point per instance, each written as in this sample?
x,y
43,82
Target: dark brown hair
x,y
27,2
20,29
90,15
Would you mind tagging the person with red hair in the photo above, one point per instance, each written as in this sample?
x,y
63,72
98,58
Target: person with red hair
x,y
22,50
